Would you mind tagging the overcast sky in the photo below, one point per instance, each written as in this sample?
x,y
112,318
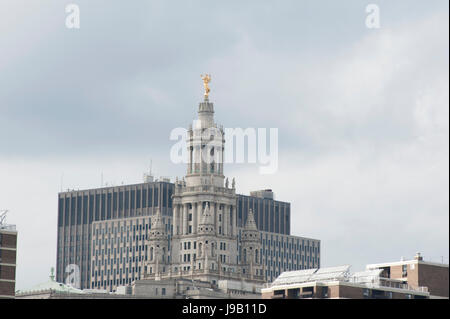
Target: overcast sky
x,y
362,113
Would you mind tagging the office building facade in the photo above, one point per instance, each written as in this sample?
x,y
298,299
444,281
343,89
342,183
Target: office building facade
x,y
8,254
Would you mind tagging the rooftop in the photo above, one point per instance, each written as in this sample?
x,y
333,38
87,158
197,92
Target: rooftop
x,y
370,278
315,274
50,286
418,259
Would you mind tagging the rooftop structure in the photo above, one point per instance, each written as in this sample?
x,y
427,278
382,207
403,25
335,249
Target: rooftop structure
x,y
44,290
397,280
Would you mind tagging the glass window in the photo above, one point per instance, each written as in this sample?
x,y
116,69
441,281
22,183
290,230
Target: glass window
x,y
108,207
144,198
102,207
60,211
127,199
72,211
133,204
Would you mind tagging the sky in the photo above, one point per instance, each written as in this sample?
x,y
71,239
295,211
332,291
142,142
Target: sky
x,y
362,113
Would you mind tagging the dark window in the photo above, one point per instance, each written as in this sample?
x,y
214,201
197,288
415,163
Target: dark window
x,y
277,220
60,211
271,217
144,198
170,197
79,199
133,205
324,292
164,191
103,207
120,200
266,218
288,224
245,211
138,198
91,208
127,200
97,206
72,211
115,202
150,197
108,208
404,270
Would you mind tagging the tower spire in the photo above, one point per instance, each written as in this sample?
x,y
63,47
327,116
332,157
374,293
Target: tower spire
x,y
250,223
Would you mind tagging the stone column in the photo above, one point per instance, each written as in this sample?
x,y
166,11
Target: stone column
x,y
201,160
191,158
225,214
199,211
185,218
233,221
216,220
175,219
195,214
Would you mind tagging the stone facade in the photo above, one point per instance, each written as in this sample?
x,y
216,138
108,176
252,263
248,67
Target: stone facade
x,y
119,250
205,238
196,228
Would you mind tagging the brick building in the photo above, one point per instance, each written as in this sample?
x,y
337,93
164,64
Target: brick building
x,y
8,248
418,273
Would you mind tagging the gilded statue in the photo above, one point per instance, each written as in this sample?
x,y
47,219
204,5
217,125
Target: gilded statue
x,y
206,79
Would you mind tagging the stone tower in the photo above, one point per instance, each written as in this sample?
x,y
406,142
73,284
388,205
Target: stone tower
x,y
251,248
158,252
204,207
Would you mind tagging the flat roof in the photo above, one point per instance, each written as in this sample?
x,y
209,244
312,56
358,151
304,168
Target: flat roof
x,y
405,262
343,283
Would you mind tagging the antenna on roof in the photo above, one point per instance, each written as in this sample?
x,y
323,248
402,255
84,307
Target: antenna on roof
x,y
148,177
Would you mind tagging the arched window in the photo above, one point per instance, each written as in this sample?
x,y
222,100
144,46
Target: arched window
x,y
256,256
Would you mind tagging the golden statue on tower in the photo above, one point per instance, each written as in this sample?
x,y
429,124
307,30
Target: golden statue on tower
x,y
206,79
